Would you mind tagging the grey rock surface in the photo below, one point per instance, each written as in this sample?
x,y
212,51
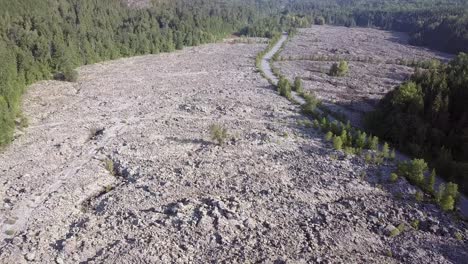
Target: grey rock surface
x,y
275,192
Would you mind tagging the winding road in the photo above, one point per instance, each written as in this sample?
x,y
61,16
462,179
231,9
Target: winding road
x,y
268,57
266,68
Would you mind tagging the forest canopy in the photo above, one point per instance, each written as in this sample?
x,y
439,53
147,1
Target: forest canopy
x,y
428,117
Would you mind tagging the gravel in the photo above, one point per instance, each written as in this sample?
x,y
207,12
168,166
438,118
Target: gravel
x,y
275,192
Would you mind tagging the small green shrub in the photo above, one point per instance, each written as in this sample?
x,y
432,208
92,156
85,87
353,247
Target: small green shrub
x,y
361,140
339,69
438,195
458,236
393,177
447,203
329,136
108,188
419,196
401,227
373,143
452,190
311,103
386,150
324,124
358,151
431,181
447,196
350,150
368,158
378,159
337,143
304,123
413,171
316,124
344,137
389,253
298,85
395,232
363,175
218,133
284,88
415,224
110,166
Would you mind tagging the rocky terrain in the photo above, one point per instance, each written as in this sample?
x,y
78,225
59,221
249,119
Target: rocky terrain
x,y
378,61
120,168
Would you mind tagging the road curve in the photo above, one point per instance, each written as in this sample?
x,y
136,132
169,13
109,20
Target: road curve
x,y
268,57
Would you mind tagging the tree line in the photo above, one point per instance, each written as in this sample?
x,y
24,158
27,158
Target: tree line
x,y
428,117
45,39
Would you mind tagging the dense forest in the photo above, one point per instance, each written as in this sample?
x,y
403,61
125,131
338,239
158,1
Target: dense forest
x,y
48,39
428,117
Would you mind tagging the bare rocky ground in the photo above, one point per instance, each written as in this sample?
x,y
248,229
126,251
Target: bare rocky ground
x,y
274,193
375,64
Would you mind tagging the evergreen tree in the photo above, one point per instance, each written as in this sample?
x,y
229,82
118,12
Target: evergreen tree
x,y
339,69
298,85
385,150
361,140
373,143
414,170
447,203
324,124
344,137
337,143
284,87
343,68
431,181
9,93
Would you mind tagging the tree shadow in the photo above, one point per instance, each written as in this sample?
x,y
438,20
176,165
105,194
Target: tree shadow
x,y
455,253
404,39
